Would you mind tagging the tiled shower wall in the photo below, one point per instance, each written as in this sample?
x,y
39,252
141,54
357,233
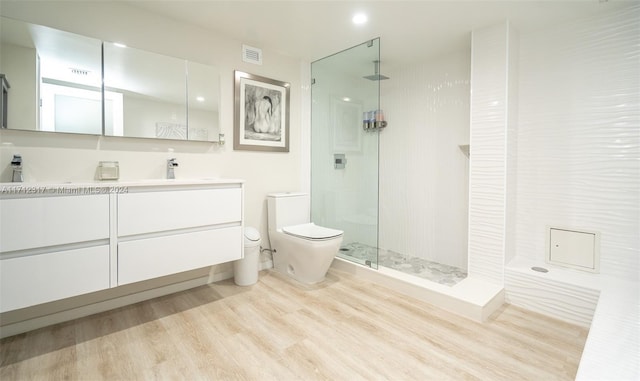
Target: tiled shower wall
x,y
579,137
423,172
493,150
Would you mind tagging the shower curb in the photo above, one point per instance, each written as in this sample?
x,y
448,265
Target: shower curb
x,y
472,298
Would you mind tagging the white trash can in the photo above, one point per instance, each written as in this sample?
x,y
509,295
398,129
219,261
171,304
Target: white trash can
x,y
245,270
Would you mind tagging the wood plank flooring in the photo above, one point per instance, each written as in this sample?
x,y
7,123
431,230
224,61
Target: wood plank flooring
x,y
278,329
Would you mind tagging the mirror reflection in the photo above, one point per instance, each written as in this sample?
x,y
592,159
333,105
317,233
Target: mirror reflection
x,y
54,83
203,99
152,93
54,77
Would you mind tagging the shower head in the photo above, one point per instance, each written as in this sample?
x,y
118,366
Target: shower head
x,y
376,76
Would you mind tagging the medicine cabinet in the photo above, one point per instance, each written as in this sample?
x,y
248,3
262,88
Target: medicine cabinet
x,y
64,82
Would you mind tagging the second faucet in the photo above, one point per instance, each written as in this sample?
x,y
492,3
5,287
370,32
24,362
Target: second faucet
x,y
171,164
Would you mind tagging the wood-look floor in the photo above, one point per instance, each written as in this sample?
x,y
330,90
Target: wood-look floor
x,y
342,329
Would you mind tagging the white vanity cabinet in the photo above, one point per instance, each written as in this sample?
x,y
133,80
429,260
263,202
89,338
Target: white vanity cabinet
x,y
52,247
59,241
165,231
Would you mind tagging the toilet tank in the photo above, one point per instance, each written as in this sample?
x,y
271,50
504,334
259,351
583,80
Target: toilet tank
x,y
286,209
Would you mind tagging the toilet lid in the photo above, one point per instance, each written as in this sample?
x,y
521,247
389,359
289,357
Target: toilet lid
x,y
311,231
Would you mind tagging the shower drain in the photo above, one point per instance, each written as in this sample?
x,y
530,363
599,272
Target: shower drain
x,y
539,269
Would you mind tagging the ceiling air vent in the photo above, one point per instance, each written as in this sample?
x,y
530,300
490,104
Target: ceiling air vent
x,y
251,55
77,71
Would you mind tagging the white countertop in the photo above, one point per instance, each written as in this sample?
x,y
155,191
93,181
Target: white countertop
x,y
93,187
128,183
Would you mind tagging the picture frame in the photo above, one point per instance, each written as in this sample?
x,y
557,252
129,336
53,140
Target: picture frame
x,y
261,113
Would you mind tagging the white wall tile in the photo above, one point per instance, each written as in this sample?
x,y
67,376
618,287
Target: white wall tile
x,y
423,172
579,137
488,173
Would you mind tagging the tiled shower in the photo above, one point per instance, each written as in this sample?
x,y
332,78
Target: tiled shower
x,y
401,195
550,115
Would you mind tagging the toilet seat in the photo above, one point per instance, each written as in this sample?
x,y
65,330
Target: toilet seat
x,y
312,232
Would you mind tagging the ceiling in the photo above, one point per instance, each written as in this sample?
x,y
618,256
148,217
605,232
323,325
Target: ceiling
x,y
409,30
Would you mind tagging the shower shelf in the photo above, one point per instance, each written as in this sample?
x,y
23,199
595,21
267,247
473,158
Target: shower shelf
x,y
379,125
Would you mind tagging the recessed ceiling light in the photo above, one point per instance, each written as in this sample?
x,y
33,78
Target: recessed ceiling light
x,y
359,19
346,99
120,45
200,99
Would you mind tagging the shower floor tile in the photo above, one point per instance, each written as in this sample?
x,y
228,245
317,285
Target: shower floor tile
x,y
422,268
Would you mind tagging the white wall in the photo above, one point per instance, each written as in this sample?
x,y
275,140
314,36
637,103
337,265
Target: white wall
x,y
423,172
579,137
61,158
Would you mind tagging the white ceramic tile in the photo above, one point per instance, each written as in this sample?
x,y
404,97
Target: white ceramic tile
x,y
579,137
554,294
423,172
487,181
578,165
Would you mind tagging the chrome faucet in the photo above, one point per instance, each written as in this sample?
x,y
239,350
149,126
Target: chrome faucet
x,y
16,163
171,164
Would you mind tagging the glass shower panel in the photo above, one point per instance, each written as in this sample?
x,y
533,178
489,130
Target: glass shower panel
x,y
344,154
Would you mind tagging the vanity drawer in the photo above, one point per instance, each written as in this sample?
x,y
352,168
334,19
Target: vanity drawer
x,y
149,258
150,212
33,222
41,278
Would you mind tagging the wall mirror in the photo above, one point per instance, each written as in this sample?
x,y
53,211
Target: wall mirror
x,y
55,84
203,101
153,93
54,79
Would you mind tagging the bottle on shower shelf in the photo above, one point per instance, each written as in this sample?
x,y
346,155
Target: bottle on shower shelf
x,y
379,119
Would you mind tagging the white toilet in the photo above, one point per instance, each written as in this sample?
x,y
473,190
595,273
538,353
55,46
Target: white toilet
x,y
301,249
